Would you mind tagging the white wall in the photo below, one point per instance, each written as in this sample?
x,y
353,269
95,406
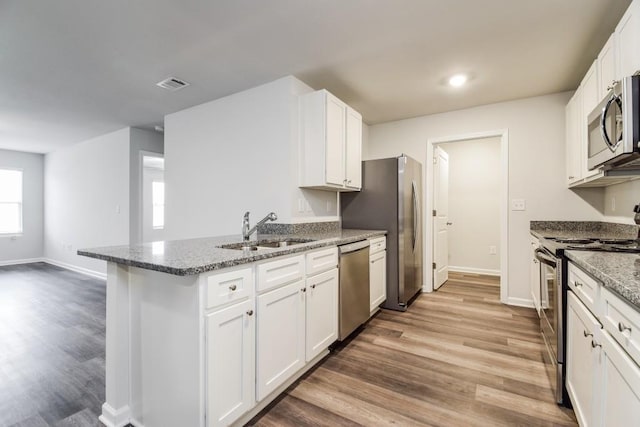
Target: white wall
x,y
28,245
140,140
149,175
536,165
620,200
87,199
474,204
236,154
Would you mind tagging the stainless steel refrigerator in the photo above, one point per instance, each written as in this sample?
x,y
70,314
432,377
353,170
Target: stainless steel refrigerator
x,y
391,199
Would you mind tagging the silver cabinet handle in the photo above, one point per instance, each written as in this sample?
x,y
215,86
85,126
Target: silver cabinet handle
x,y
535,261
250,312
595,344
587,334
449,223
571,177
622,327
578,284
313,286
232,287
304,289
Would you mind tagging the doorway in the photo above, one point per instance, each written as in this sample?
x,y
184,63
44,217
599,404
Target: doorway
x,y
468,190
152,194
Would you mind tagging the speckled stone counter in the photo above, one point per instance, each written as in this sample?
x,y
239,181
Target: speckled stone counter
x,y
619,272
195,256
583,229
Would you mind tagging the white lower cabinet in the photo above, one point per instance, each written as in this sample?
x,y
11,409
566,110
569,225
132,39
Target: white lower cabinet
x,y
620,386
230,338
321,321
280,344
378,280
377,273
582,369
603,380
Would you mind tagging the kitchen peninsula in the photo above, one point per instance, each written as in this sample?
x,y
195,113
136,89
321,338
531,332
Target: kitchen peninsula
x,y
201,332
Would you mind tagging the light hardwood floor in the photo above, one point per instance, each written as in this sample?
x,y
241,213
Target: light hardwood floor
x,y
457,357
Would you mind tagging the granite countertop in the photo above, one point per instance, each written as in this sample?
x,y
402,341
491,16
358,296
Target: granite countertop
x,y
195,256
619,272
583,230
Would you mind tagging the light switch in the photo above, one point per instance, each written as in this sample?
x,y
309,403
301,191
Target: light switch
x,y
518,205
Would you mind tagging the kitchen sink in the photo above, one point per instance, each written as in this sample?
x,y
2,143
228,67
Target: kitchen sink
x,y
265,244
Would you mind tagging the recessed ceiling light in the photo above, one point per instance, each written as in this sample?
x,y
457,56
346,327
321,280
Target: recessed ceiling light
x,y
458,80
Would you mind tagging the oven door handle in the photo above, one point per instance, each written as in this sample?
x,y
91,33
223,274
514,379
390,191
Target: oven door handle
x,y
603,123
542,256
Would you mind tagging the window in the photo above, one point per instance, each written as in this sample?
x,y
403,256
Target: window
x,y
10,201
157,198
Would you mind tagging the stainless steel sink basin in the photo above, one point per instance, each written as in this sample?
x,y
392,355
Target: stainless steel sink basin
x,y
265,244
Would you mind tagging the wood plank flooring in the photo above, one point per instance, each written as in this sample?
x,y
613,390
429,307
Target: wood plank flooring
x,y
52,335
457,357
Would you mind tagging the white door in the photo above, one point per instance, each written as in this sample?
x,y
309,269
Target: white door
x,y
440,220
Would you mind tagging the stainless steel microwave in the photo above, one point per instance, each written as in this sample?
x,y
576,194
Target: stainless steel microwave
x,y
614,127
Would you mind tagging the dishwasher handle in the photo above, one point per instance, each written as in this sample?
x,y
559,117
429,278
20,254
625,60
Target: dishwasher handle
x,y
352,247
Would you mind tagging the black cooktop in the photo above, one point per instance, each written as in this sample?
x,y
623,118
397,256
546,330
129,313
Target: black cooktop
x,y
558,244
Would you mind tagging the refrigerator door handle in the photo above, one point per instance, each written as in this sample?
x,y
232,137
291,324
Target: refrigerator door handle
x,y
416,213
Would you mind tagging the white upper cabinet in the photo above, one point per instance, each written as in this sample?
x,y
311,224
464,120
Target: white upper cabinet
x,y
574,138
607,66
330,143
590,98
627,36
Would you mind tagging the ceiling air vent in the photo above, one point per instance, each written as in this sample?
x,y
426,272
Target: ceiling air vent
x,y
172,84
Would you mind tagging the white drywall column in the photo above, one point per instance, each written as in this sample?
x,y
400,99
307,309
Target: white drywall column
x,y
115,410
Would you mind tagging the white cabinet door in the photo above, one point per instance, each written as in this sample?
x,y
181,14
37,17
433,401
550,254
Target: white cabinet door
x,y
628,41
336,134
353,149
230,366
582,360
377,280
590,88
280,337
574,138
322,312
607,66
534,274
330,143
620,386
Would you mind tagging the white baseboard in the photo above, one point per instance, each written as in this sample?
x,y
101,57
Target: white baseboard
x,y
81,270
520,302
21,261
473,270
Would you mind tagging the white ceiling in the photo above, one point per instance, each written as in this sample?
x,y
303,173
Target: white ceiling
x,y
75,69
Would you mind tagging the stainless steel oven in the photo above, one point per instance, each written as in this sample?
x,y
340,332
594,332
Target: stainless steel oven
x,y
614,127
551,318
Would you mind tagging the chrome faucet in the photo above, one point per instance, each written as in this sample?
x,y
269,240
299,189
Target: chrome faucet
x,y
247,232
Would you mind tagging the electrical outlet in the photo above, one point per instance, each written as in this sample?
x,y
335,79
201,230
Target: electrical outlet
x,y
301,205
329,206
613,204
518,205
117,209
492,250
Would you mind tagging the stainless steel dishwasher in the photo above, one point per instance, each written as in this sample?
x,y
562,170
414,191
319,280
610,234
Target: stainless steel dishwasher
x,y
354,287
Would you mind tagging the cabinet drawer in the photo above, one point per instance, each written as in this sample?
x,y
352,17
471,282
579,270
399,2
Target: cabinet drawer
x,y
276,273
378,244
322,260
228,286
585,287
621,321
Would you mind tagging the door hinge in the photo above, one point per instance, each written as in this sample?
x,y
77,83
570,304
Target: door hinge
x,y
434,265
435,160
434,212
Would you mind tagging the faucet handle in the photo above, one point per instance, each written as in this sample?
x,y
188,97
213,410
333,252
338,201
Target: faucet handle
x,y
246,216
